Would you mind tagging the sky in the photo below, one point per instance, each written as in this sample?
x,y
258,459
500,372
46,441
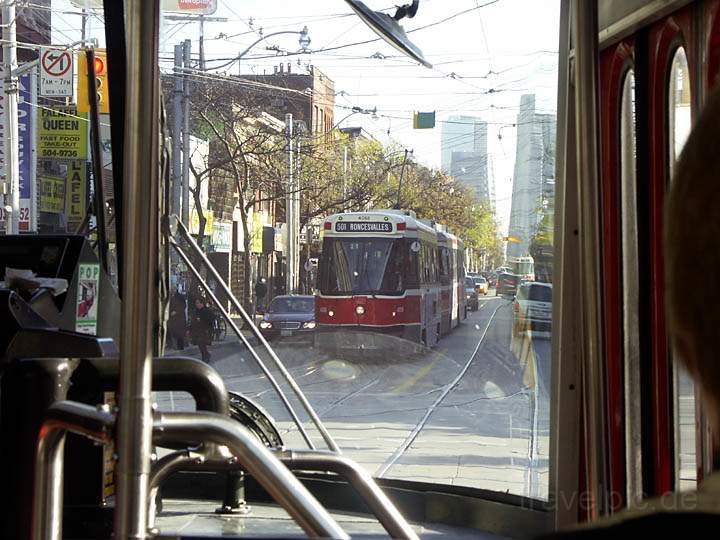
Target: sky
x,y
485,55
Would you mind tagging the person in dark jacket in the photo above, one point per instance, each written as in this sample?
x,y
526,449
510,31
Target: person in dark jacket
x,y
201,328
177,323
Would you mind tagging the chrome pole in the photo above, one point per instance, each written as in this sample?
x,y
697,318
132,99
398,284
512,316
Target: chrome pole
x,y
585,40
61,418
257,460
243,339
140,266
332,445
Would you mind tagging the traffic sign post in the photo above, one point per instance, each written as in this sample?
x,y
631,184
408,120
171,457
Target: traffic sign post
x,y
56,73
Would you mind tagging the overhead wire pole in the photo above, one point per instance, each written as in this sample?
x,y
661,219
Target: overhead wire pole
x,y
177,129
187,49
10,116
289,209
201,44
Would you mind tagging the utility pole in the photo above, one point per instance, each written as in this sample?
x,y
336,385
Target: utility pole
x,y
345,171
202,43
10,116
398,206
296,215
177,129
83,24
186,134
289,209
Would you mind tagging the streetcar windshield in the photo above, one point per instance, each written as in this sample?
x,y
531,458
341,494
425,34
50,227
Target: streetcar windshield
x,y
363,266
384,190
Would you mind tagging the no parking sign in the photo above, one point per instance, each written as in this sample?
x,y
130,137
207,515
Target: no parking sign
x,y
56,73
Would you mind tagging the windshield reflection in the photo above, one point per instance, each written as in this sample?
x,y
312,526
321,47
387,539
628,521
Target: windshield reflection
x,y
473,411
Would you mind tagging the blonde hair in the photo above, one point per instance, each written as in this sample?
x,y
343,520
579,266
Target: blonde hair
x,y
692,254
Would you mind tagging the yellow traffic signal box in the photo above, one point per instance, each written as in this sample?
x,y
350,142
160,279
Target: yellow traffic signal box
x,y
101,82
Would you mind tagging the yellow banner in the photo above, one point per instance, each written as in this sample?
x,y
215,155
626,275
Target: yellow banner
x,y
52,194
62,134
256,233
195,222
75,197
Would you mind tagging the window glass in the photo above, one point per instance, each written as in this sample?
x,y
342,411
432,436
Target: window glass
x,y
370,214
679,124
630,288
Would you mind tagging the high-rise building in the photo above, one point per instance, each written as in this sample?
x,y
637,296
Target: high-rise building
x,y
534,176
471,168
464,153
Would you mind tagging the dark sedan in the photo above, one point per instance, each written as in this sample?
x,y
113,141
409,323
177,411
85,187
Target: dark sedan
x,y
471,294
289,316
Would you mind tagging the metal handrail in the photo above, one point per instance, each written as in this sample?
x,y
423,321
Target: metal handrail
x,y
384,510
243,339
332,445
274,477
62,417
320,461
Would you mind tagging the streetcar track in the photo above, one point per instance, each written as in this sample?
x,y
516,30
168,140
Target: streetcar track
x,y
342,400
400,450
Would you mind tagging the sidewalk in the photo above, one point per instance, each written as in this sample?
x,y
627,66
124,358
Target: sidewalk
x,y
230,341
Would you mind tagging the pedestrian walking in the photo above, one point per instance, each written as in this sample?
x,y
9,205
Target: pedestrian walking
x,y
177,323
201,328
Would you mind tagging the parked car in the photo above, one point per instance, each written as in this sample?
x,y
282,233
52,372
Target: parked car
x,y
481,285
506,284
532,308
288,316
473,302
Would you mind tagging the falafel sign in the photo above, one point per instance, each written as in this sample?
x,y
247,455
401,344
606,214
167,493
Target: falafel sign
x,y
62,134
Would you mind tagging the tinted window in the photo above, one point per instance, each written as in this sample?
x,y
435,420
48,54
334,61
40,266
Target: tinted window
x,y
540,293
292,305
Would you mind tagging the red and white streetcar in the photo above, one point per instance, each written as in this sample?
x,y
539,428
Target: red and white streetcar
x,y
384,273
452,279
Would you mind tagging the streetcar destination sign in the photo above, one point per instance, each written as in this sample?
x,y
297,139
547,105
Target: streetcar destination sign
x,y
356,226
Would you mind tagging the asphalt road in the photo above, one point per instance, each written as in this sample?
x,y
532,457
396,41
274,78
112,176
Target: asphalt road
x,y
473,411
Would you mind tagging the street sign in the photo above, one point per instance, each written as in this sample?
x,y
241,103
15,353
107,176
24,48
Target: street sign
x,y
52,194
26,130
75,194
56,73
62,134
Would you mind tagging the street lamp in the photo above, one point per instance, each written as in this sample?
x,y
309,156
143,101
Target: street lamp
x,y
303,41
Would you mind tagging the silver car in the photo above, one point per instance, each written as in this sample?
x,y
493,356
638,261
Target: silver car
x,y
532,308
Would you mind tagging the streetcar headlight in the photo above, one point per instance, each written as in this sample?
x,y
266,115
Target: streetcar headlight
x,y
265,325
469,296
331,313
360,310
309,324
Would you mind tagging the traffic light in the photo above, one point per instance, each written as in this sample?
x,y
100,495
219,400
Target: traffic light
x,y
101,83
424,120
